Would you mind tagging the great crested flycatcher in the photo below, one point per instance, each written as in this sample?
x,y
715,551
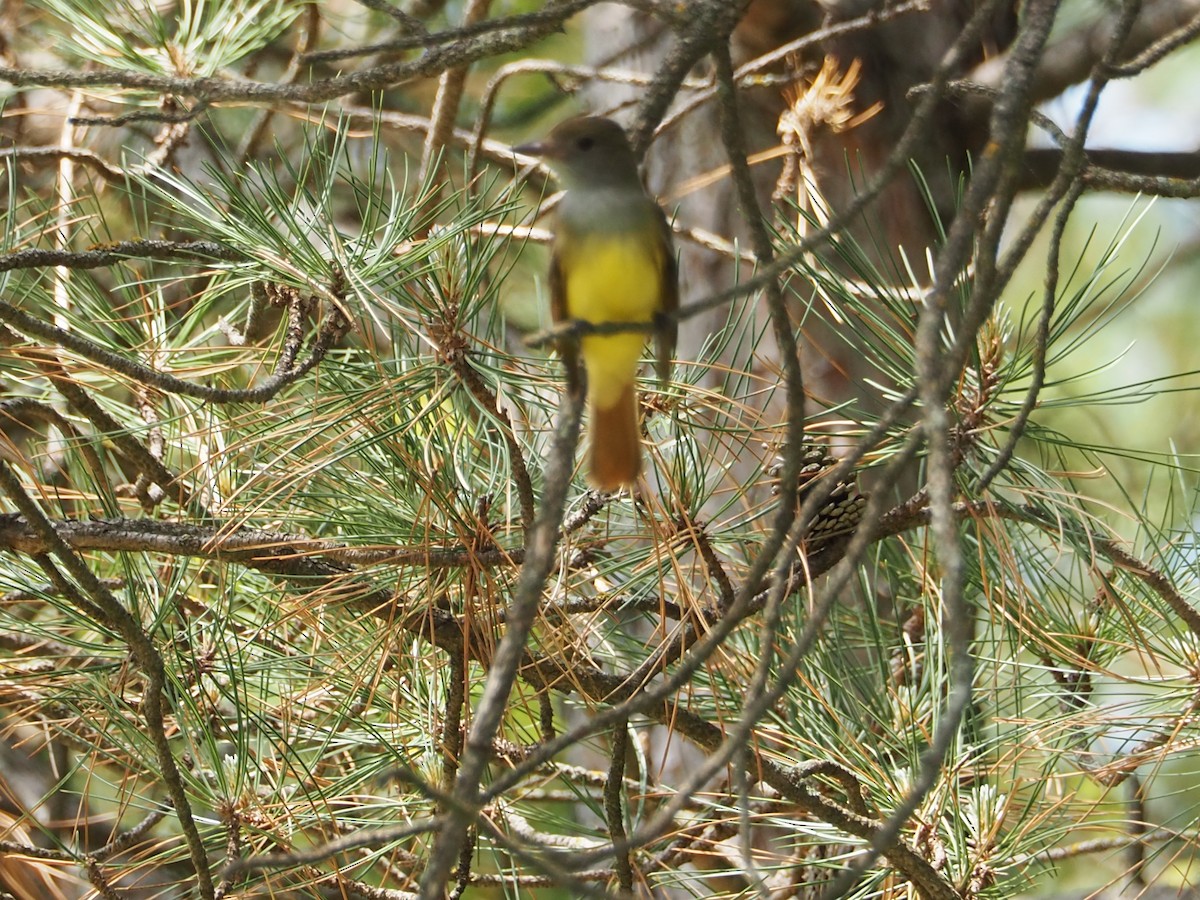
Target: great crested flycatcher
x,y
612,262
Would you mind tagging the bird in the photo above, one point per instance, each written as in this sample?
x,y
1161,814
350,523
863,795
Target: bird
x,y
612,261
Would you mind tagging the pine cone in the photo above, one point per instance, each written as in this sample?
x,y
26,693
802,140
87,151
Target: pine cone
x,y
841,512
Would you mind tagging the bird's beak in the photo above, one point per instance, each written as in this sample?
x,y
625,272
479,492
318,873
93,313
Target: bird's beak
x,y
537,148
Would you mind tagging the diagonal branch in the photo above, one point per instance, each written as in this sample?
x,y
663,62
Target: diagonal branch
x,y
540,552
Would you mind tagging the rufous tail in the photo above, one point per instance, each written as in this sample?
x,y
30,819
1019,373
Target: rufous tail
x,y
616,456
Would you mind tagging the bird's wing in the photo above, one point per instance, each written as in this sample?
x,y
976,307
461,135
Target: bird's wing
x,y
668,326
568,348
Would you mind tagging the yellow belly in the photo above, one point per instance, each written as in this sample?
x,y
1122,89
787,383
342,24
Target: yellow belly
x,y
613,280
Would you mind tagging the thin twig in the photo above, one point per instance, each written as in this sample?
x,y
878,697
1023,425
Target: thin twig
x,y
493,39
748,73
614,813
120,251
445,105
100,601
552,17
89,158
331,330
936,372
267,550
309,33
366,837
543,539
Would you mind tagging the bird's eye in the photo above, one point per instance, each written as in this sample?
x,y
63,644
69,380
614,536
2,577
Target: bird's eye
x,y
585,143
